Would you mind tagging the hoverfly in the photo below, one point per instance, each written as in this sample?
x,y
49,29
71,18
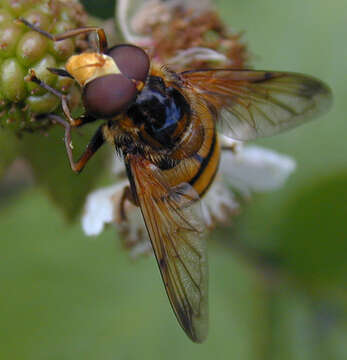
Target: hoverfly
x,y
164,125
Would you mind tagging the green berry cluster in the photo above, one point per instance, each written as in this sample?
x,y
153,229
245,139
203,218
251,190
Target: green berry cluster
x,y
22,49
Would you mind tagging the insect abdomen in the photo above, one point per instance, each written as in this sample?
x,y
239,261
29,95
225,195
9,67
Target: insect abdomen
x,y
209,161
200,168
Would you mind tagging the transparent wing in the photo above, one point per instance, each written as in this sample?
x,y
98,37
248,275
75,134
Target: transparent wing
x,y
250,104
176,231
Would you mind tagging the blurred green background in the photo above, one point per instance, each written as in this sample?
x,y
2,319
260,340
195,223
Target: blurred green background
x,y
277,277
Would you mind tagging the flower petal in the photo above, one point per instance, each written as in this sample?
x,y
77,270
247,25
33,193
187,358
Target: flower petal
x,y
134,16
127,10
218,204
99,208
185,57
118,167
253,168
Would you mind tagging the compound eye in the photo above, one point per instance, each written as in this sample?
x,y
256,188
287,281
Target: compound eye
x,y
131,60
108,95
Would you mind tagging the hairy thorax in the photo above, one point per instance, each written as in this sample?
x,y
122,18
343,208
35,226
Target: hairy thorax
x,y
160,125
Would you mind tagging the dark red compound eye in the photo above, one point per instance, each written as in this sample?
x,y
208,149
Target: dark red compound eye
x,y
131,60
108,95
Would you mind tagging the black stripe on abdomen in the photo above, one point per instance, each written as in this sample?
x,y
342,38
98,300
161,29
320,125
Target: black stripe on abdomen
x,y
204,161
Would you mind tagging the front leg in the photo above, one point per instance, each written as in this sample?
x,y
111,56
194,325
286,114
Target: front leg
x,y
95,143
100,33
63,98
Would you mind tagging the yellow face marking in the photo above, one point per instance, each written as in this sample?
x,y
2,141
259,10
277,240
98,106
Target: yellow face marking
x,y
139,85
89,66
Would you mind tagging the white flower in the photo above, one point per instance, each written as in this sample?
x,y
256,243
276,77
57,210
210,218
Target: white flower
x,y
253,168
100,208
103,207
219,204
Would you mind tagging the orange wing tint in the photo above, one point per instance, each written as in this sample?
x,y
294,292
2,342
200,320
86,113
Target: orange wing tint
x,y
175,230
251,104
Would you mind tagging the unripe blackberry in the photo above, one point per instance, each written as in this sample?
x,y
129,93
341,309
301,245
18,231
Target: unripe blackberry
x,y
22,49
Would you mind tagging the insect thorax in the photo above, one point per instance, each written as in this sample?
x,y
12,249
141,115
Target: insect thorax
x,y
161,113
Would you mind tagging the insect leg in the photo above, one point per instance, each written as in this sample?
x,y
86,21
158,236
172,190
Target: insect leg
x,y
228,144
61,96
60,72
101,37
95,143
232,148
126,195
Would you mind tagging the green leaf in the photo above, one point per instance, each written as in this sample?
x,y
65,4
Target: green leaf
x,y
47,155
313,234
